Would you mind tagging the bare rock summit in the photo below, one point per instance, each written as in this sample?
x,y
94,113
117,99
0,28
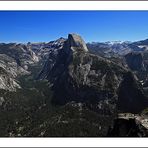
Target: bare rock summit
x,y
76,43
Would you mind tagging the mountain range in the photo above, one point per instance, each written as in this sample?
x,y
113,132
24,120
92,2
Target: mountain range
x,y
69,88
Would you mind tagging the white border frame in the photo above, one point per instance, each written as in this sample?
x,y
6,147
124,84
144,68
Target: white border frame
x,y
74,142
73,5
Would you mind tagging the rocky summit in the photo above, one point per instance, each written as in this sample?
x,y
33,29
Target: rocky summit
x,y
76,43
69,88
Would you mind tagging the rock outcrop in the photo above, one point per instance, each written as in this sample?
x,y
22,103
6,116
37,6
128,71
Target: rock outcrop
x,y
129,125
75,43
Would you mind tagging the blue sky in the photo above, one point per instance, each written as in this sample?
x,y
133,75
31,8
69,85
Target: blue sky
x,y
34,26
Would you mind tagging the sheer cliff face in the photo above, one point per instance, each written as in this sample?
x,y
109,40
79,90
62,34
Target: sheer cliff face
x,y
75,43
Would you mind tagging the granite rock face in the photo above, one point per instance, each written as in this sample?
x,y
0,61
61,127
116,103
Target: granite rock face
x,y
76,43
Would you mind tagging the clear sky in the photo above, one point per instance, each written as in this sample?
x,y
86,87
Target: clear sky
x,y
34,26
